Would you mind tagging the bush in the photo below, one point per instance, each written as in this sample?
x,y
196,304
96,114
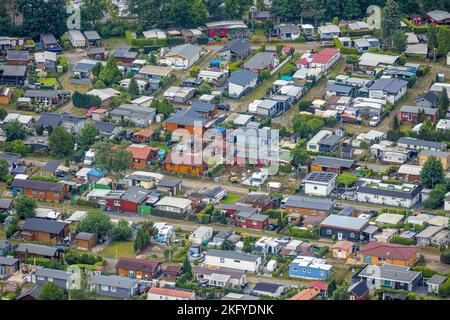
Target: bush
x,y
404,241
426,272
445,257
444,289
85,203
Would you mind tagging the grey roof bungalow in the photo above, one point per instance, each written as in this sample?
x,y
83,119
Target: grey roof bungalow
x,y
114,286
343,227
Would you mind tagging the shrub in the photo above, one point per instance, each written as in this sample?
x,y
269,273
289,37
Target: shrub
x,y
444,289
404,241
445,257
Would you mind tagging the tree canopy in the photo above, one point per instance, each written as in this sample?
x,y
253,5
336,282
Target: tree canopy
x,y
50,291
111,158
96,222
432,173
61,143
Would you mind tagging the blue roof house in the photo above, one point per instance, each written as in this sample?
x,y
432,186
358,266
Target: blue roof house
x,y
309,268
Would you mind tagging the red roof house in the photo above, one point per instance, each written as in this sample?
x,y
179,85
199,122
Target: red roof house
x,y
326,59
380,253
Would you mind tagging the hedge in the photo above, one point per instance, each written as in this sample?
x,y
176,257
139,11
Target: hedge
x,y
168,214
344,50
404,241
426,272
85,203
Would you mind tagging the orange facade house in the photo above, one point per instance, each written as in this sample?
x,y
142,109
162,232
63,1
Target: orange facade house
x,y
85,240
138,268
187,163
342,249
41,190
191,121
142,136
378,253
44,230
141,154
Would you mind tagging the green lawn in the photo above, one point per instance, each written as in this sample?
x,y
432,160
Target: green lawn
x,y
48,82
231,198
112,43
118,249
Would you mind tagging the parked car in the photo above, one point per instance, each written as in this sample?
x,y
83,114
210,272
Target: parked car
x,y
223,107
374,121
272,227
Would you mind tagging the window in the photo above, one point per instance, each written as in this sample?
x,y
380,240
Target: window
x,y
304,270
309,270
113,289
295,269
40,278
105,288
315,187
237,261
50,279
322,273
222,260
352,235
117,203
328,231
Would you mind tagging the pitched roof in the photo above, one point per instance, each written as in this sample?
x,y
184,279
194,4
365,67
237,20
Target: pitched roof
x,y
43,225
51,165
237,46
389,250
267,287
37,249
421,143
186,50
439,15
37,185
137,264
437,279
140,151
242,77
390,85
261,60
306,294
13,71
342,244
5,261
84,236
11,158
178,293
359,288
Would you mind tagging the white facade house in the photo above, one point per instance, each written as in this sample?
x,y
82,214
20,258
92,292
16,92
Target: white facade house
x,y
378,192
241,82
232,260
320,183
313,144
201,235
389,89
76,38
173,204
